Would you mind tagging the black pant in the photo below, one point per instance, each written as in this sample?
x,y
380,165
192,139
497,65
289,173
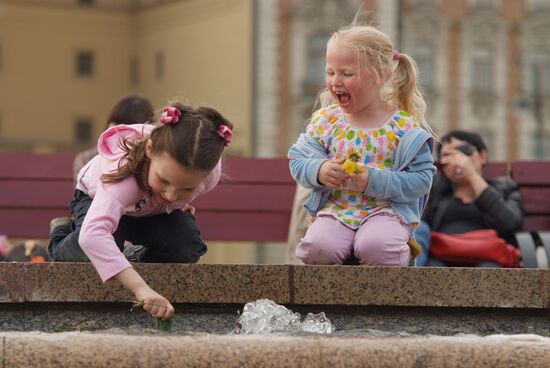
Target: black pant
x,y
168,238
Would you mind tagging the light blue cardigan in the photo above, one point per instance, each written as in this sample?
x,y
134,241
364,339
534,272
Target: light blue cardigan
x,y
406,185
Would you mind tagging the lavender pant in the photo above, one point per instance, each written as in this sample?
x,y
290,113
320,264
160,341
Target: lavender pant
x,y
381,240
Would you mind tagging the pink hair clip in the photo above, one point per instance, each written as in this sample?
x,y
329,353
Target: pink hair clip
x,y
170,115
396,55
225,132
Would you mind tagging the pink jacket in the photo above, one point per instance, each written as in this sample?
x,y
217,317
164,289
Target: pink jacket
x,y
112,201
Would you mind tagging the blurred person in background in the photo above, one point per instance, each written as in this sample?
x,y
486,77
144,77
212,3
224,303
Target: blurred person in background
x,y
131,109
462,201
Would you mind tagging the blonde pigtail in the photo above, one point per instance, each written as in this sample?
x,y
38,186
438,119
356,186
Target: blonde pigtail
x,y
406,93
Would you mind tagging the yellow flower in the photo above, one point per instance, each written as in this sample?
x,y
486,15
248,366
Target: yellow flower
x,y
351,166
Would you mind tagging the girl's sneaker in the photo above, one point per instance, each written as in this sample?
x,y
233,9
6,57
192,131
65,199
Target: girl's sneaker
x,y
134,252
58,221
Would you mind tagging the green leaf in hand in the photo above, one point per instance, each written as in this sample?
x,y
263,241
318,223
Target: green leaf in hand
x,y
137,304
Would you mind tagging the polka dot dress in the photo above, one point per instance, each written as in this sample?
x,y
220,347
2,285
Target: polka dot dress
x,y
375,148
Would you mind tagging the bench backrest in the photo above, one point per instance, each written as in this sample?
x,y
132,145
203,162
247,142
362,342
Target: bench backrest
x,y
253,201
533,178
33,190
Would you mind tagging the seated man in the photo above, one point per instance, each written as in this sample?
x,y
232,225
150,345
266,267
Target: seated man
x,y
461,200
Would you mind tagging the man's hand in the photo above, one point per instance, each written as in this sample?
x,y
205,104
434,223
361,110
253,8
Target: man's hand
x,y
458,166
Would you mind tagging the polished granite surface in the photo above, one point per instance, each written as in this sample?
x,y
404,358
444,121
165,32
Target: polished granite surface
x,y
286,284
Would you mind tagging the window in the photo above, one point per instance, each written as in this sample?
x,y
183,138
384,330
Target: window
x,y
489,138
315,64
86,2
540,88
134,71
482,70
159,65
538,5
424,2
484,3
541,142
540,72
423,54
84,63
83,131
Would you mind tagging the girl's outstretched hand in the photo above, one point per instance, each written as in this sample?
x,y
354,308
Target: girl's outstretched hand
x,y
332,174
154,303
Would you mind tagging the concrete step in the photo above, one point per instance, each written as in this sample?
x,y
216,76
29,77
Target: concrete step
x,y
33,349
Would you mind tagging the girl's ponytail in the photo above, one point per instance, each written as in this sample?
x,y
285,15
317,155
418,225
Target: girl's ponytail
x,y
406,94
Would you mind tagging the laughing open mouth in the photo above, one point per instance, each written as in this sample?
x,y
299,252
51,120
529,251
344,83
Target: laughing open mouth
x,y
343,98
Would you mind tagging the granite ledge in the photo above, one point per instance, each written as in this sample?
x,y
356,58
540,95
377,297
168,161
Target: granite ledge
x,y
104,350
286,284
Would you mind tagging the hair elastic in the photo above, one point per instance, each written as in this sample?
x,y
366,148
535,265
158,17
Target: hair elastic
x,y
225,132
396,55
170,115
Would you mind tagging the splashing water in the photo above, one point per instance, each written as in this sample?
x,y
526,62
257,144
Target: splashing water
x,y
267,317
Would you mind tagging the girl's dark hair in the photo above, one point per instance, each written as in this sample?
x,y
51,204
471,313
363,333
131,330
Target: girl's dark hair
x,y
472,138
132,109
193,142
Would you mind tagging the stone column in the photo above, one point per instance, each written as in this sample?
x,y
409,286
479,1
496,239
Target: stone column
x,y
514,11
284,75
455,10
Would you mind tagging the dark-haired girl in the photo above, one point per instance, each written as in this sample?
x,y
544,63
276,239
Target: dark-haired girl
x,y
138,190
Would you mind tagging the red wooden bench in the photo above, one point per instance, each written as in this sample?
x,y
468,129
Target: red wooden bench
x,y
533,178
253,202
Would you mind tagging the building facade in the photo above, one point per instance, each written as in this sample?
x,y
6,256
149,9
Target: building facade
x,y
484,66
64,63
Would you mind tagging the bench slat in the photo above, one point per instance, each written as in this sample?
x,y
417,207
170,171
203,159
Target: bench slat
x,y
28,165
531,172
257,170
536,223
494,169
26,194
214,226
33,194
22,223
536,200
247,198
263,227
